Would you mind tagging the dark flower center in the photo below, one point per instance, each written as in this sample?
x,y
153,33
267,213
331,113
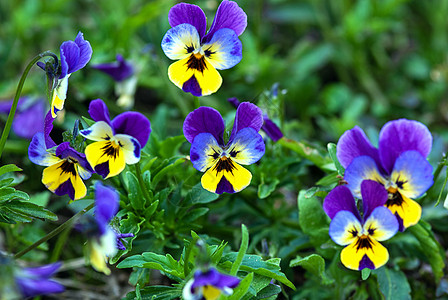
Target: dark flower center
x,y
196,62
68,166
394,197
224,163
364,242
111,149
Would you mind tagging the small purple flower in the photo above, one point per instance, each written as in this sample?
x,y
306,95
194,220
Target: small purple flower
x,y
29,118
104,242
204,129
66,167
209,285
74,56
119,70
269,127
359,234
399,164
200,55
32,282
117,142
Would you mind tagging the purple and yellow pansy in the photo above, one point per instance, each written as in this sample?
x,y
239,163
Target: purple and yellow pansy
x,y
74,56
65,167
361,235
209,285
399,164
117,142
200,55
221,162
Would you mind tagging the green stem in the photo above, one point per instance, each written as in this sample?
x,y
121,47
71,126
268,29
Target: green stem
x,y
242,252
56,231
142,183
197,104
62,239
12,112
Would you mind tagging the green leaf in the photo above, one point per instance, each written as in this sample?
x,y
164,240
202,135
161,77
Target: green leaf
x,y
8,194
332,151
365,273
307,151
169,146
151,209
198,195
135,193
269,291
154,261
314,264
195,214
88,121
312,218
156,292
29,210
242,288
242,251
430,247
9,168
266,189
393,284
254,263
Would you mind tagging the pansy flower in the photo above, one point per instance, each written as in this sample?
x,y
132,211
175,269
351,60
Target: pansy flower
x,y
200,55
65,167
209,285
104,242
221,162
361,235
36,281
74,56
117,142
399,164
269,127
29,117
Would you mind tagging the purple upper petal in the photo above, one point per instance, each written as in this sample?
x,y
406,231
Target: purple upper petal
x,y
247,115
134,124
234,101
45,271
271,129
85,51
64,151
48,127
98,111
402,135
354,143
36,281
229,15
119,70
340,198
106,205
74,55
188,13
373,195
30,121
214,278
204,119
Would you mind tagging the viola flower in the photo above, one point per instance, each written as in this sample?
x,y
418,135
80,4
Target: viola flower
x,y
361,235
104,242
122,72
269,127
209,285
117,142
399,164
74,56
29,117
200,55
204,129
66,167
32,282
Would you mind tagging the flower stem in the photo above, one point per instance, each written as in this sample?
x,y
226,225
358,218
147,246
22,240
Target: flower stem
x,y
243,248
12,112
56,231
197,104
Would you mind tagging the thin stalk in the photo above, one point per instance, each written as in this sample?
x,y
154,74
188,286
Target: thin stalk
x,y
243,248
142,184
197,104
12,112
62,239
56,231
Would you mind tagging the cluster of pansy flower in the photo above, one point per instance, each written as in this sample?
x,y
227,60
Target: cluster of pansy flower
x,y
200,54
388,179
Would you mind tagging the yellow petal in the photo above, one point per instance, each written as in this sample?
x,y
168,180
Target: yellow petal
x,y
352,255
106,152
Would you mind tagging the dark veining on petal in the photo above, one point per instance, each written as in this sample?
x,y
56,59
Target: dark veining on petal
x,y
111,149
209,52
196,62
189,48
226,164
363,242
68,166
234,153
354,232
215,154
394,198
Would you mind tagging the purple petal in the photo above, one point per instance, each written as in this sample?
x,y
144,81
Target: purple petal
x,y
340,198
362,168
403,135
64,150
70,54
5,106
119,70
188,13
34,287
224,186
234,101
247,147
45,271
98,111
192,86
373,195
226,49
366,263
202,150
342,226
214,278
102,169
85,52
48,127
30,121
204,119
271,129
229,15
354,143
66,188
106,205
134,124
37,152
247,115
